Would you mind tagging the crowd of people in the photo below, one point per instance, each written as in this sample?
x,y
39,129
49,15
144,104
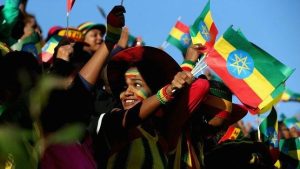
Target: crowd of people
x,y
135,105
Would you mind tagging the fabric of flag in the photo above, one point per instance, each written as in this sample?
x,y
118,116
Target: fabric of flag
x,y
70,4
269,133
253,75
31,44
48,48
180,37
290,95
290,153
232,133
34,48
204,30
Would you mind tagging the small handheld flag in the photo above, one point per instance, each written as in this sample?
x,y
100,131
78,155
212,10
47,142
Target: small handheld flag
x,y
204,30
180,37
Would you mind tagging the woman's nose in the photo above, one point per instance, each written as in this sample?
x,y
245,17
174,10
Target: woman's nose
x,y
128,91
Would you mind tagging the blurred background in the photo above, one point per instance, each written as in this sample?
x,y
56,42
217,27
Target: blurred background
x,y
273,25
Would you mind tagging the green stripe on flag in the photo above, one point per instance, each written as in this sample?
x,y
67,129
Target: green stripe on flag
x,y
176,43
195,27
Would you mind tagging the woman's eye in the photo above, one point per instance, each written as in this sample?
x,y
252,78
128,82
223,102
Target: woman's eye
x,y
137,85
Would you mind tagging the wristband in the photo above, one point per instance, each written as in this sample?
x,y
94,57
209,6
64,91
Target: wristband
x,y
187,65
163,96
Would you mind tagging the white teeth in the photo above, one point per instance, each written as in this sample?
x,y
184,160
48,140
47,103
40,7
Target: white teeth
x,y
129,101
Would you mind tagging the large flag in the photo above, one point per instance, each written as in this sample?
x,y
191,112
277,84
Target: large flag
x,y
290,153
252,74
70,4
269,133
290,95
180,37
204,30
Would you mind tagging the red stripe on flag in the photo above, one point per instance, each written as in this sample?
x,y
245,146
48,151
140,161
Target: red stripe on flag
x,y
70,4
181,26
213,34
238,86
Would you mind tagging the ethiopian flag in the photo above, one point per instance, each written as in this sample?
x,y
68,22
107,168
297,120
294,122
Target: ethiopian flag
x,y
269,132
290,153
204,30
252,74
48,48
180,37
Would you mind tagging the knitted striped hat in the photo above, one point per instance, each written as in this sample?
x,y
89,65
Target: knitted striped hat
x,y
156,67
219,103
87,26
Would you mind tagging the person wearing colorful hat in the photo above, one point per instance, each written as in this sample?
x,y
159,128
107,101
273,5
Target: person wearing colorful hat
x,y
93,35
143,131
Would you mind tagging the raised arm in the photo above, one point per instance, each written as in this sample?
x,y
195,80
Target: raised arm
x,y
92,69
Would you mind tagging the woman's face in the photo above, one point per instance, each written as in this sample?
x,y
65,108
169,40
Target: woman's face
x,y
94,38
136,89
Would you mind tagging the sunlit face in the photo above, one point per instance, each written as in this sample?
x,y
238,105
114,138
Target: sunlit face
x,y
94,38
136,89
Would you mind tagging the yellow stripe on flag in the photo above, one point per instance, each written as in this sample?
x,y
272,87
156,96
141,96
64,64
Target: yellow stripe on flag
x,y
208,20
224,48
235,133
256,81
52,47
268,103
198,39
176,33
259,84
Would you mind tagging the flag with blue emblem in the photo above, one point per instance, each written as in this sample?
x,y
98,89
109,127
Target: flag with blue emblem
x,y
204,30
269,133
180,37
253,75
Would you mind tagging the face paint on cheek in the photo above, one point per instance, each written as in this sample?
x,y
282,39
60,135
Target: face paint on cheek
x,y
142,94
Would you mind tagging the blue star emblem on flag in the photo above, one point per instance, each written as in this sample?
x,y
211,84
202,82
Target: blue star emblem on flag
x,y
240,64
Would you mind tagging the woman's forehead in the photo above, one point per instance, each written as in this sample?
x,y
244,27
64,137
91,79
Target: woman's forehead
x,y
132,71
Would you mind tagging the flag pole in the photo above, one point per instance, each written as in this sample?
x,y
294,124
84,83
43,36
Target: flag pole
x,y
122,2
66,33
164,45
179,18
258,131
